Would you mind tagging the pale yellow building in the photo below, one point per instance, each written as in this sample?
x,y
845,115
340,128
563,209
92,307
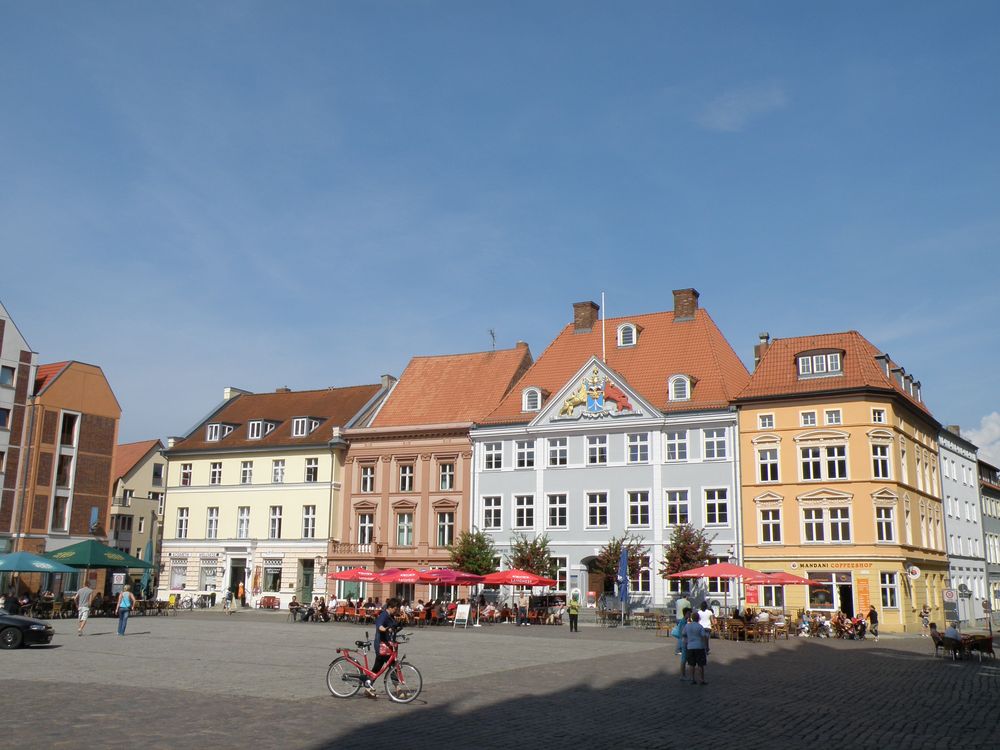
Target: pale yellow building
x,y
137,500
839,481
254,493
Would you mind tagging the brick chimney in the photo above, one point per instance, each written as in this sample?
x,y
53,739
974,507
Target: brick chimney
x,y
685,304
762,346
585,316
954,429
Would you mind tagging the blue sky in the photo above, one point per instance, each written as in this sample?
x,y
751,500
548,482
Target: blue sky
x,y
308,194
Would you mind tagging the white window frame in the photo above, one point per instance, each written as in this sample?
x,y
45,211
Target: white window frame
x,y
446,476
213,433
183,516
716,437
274,522
215,472
833,416
212,523
597,450
558,451
885,524
805,365
278,471
558,502
888,584
639,442
633,335
367,478
300,427
884,461
531,400
308,521
807,419
255,429
492,456
722,502
642,583
680,388
524,512
524,454
366,527
770,523
678,441
769,466
404,528
406,474
492,512
243,522
246,472
312,464
879,416
638,500
592,501
765,421
840,460
681,503
445,528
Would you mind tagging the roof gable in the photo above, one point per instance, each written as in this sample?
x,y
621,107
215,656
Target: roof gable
x,y
128,456
665,347
595,392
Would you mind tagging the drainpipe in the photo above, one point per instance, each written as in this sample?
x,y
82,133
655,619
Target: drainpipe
x,y
24,469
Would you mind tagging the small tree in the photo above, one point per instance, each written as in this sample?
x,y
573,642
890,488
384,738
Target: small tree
x,y
610,554
474,552
531,555
688,548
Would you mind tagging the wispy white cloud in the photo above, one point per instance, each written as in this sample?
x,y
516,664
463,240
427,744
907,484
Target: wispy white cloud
x,y
735,109
987,437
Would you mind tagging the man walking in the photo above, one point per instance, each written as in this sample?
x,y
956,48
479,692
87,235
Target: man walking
x,y
682,604
873,619
84,596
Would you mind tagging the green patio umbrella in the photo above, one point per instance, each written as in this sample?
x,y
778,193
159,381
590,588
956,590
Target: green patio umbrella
x,y
93,554
26,562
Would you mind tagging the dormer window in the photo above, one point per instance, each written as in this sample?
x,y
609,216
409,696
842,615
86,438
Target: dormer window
x,y
255,429
628,335
531,399
213,433
226,429
820,365
680,388
269,427
300,426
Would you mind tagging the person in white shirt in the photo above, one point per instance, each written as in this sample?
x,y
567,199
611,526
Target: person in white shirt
x,y
706,617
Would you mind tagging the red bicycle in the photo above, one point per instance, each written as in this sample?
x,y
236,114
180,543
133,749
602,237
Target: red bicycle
x,y
346,674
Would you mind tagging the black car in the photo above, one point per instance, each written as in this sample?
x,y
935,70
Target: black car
x,y
17,631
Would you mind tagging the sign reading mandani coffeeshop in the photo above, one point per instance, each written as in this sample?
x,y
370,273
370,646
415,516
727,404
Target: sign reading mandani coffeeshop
x,y
831,565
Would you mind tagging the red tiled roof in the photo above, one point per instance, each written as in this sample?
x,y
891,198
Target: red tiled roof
x,y
777,372
333,407
45,374
127,455
452,388
664,348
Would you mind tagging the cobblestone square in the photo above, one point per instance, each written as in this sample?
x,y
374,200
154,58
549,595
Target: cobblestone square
x,y
205,680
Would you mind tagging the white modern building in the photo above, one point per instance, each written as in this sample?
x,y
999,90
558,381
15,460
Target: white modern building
x,y
963,525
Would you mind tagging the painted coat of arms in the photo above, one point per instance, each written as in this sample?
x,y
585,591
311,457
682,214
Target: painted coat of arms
x,y
594,394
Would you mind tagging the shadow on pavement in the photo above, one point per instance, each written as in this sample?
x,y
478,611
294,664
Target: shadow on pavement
x,y
823,694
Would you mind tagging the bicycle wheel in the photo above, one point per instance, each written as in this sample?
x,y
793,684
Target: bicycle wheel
x,y
403,682
343,678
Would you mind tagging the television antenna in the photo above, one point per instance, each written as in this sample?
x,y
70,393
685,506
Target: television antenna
x,y
493,338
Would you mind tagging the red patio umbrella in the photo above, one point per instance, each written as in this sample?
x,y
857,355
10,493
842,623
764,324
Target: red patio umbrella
x,y
395,575
518,578
782,579
718,570
451,577
354,574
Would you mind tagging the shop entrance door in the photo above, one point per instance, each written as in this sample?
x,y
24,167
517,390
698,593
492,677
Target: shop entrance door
x,y
845,595
306,571
237,574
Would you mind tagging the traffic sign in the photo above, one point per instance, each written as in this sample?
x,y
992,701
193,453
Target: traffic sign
x,y
950,595
987,607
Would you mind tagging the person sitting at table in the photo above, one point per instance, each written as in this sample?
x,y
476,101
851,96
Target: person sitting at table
x,y
953,640
764,617
442,611
294,606
322,611
804,624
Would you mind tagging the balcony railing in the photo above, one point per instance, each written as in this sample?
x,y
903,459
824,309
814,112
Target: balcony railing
x,y
346,548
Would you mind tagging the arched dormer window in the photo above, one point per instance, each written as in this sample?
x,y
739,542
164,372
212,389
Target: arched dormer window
x,y
820,364
680,388
628,334
531,399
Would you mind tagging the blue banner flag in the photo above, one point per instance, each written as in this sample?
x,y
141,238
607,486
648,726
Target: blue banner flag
x,y
622,577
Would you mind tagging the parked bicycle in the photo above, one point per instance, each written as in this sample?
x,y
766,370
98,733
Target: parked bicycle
x,y
347,674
